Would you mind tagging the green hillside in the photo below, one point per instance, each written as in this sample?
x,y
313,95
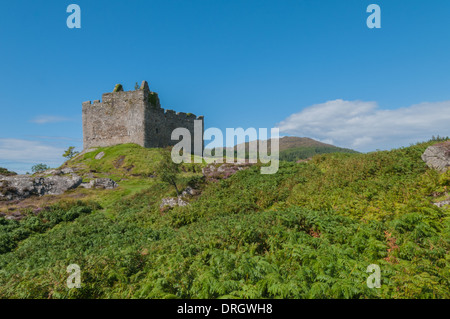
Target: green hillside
x,y
291,148
308,231
305,152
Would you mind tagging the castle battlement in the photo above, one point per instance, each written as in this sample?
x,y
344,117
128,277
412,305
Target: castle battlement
x,y
132,117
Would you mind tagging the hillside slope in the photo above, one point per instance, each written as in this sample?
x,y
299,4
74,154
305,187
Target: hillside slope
x,y
292,148
309,231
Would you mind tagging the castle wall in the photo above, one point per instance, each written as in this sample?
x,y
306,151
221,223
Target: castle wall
x,y
133,117
161,123
118,119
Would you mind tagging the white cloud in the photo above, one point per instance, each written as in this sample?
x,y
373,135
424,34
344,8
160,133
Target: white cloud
x,y
45,119
365,127
19,155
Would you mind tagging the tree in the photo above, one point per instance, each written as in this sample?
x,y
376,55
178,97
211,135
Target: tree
x,y
70,153
38,168
168,171
136,86
5,172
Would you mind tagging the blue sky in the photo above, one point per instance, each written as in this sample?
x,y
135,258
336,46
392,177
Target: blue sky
x,y
312,68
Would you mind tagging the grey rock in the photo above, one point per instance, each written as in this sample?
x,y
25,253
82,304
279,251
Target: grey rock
x,y
189,191
22,186
438,156
442,203
214,172
67,170
99,156
50,172
55,172
172,202
104,183
86,185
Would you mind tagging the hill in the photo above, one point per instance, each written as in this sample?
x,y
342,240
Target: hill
x,y
292,148
309,231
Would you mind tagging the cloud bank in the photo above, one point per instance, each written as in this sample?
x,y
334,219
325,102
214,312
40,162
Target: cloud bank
x,y
365,127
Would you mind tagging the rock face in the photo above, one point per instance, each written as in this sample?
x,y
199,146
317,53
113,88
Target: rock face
x,y
22,186
438,156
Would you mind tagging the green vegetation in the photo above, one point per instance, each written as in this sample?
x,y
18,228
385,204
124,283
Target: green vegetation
x,y
118,88
127,160
301,153
309,231
70,153
5,172
168,171
39,168
12,232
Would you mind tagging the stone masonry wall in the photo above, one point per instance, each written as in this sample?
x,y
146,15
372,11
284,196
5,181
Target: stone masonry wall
x,y
133,117
161,123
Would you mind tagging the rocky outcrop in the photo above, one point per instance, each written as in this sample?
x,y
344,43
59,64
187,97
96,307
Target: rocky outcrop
x,y
442,203
22,186
64,171
102,183
438,156
172,202
214,172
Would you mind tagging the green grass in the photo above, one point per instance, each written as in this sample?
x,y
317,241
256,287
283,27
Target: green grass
x,y
309,231
137,161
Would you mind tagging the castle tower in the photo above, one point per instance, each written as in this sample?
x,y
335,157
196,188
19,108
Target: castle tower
x,y
133,117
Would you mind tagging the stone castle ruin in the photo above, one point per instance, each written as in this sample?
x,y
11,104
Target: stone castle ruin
x,y
133,117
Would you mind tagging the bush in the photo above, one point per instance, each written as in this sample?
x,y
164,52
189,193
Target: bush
x,y
39,168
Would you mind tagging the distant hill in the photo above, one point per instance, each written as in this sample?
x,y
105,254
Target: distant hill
x,y
293,148
299,148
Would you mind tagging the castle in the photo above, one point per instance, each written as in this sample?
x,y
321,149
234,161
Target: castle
x,y
133,117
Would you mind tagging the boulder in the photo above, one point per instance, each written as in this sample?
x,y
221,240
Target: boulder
x,y
172,202
22,186
438,156
104,183
442,203
67,170
64,171
189,191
